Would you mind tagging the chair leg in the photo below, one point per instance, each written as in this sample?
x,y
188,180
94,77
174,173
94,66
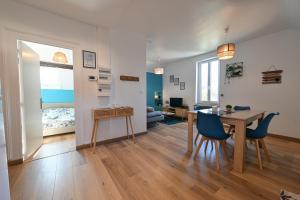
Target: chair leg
x,y
197,136
199,146
212,145
258,154
206,144
223,145
217,154
265,149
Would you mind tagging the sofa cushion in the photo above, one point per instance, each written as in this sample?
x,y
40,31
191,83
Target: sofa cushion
x,y
150,109
153,114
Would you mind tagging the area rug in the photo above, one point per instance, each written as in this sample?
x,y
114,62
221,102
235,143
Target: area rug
x,y
171,120
285,195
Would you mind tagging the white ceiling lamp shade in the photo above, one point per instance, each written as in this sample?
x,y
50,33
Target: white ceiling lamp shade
x,y
158,70
227,50
60,57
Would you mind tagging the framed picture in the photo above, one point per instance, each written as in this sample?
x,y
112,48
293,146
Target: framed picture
x,y
171,78
89,59
176,81
234,70
182,85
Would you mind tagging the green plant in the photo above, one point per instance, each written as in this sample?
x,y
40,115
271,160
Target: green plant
x,y
228,107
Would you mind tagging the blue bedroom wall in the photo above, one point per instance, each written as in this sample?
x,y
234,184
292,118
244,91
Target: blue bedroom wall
x,y
154,85
57,96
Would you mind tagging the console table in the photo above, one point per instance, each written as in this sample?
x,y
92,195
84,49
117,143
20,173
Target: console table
x,y
108,113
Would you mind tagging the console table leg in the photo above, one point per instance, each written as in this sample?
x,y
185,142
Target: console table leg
x,y
133,136
95,135
127,127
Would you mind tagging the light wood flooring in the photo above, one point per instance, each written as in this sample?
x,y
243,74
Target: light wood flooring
x,y
156,167
54,145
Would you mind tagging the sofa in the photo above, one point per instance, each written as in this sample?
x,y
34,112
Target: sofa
x,y
154,116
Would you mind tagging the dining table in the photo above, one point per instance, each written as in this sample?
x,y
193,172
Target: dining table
x,y
238,119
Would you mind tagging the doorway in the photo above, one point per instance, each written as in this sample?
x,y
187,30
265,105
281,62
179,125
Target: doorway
x,y
46,100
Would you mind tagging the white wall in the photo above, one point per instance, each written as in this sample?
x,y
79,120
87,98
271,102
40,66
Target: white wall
x,y
56,78
186,71
24,22
280,49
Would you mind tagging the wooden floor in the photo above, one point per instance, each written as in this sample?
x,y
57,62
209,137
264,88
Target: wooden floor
x,y
156,167
54,145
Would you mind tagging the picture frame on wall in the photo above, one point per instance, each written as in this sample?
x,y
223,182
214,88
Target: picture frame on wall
x,y
176,81
234,70
171,78
89,59
182,85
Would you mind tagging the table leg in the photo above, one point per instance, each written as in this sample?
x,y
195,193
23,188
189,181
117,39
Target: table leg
x,y
127,127
190,132
239,146
133,136
95,135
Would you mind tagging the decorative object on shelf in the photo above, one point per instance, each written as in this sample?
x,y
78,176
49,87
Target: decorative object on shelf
x,y
228,108
158,100
171,78
89,59
129,78
104,82
167,103
176,81
272,76
227,50
60,57
182,85
234,70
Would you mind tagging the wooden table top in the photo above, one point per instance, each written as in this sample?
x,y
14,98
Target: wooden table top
x,y
239,115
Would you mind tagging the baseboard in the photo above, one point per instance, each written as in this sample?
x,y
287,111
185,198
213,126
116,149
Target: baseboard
x,y
60,134
15,162
83,146
292,139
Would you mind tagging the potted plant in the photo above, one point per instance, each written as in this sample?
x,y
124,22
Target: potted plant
x,y
228,108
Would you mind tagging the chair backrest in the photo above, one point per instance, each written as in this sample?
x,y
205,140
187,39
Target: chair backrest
x,y
210,125
262,129
201,107
240,108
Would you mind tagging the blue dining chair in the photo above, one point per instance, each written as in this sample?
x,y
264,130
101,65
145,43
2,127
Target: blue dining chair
x,y
211,129
258,136
200,107
240,108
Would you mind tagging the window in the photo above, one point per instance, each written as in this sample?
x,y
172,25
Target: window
x,y
207,81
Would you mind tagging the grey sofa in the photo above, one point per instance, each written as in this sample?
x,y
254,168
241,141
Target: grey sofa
x,y
154,116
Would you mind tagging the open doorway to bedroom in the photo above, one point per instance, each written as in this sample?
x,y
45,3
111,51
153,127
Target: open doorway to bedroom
x,y
47,100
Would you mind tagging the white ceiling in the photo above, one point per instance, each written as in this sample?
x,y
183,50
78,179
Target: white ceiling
x,y
181,28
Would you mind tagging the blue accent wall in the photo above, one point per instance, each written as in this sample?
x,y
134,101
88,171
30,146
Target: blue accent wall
x,y
154,85
57,96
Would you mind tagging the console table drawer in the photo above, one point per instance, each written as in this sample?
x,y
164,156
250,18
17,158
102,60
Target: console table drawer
x,y
124,111
104,113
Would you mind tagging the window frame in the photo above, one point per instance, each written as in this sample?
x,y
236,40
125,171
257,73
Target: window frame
x,y
198,82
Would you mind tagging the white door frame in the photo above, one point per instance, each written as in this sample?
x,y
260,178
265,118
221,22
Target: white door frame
x,y
11,84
